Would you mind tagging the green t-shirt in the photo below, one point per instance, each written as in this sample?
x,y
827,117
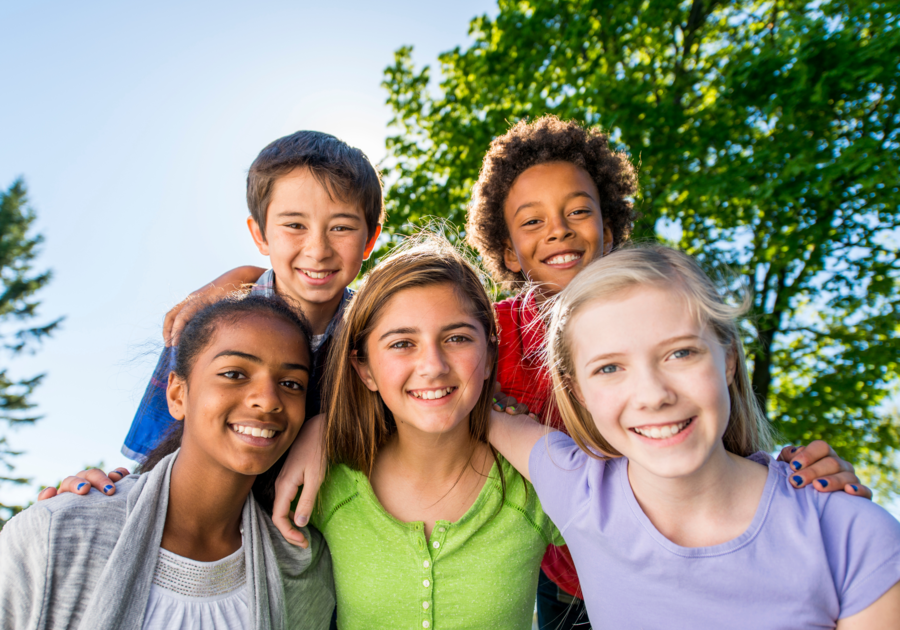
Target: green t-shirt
x,y
479,572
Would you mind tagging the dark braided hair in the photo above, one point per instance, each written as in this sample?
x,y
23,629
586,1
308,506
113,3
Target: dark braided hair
x,y
197,335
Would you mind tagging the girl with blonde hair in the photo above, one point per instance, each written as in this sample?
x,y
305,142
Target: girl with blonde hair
x,y
674,513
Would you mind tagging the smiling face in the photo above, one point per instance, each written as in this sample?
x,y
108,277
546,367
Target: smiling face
x,y
653,378
555,224
316,243
428,358
243,401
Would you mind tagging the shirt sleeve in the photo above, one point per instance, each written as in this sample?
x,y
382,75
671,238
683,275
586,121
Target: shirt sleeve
x,y
560,473
24,566
862,541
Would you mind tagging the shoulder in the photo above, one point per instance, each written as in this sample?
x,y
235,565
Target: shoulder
x,y
341,487
522,497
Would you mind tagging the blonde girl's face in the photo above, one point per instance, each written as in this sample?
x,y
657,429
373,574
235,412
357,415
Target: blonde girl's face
x,y
654,379
428,359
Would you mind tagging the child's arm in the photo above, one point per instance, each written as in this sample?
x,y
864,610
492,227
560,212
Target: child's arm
x,y
817,463
884,614
226,283
304,467
515,437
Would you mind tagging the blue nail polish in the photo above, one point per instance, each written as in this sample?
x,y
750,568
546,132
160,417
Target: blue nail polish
x,y
797,479
855,489
106,489
794,450
796,465
824,483
81,485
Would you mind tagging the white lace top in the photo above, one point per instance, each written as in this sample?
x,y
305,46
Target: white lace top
x,y
202,595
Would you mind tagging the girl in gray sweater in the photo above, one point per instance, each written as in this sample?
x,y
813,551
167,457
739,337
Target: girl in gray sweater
x,y
165,551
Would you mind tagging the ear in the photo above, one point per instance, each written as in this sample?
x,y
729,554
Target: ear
x,y
510,259
607,239
258,237
730,364
370,244
362,370
176,395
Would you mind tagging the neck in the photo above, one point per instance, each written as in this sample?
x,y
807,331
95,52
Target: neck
x,y
712,505
432,457
319,314
203,519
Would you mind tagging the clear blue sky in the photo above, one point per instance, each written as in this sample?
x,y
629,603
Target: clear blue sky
x,y
133,126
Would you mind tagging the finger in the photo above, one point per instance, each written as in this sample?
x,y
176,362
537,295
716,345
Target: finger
x,y
307,502
282,516
46,493
858,490
121,471
75,485
815,452
787,453
169,321
837,483
99,480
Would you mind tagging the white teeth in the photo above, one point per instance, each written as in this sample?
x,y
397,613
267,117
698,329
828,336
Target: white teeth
x,y
662,432
253,431
317,275
564,258
433,394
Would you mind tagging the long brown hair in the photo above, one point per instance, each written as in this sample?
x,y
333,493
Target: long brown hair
x,y
358,422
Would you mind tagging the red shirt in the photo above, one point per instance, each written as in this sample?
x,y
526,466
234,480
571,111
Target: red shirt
x,y
523,376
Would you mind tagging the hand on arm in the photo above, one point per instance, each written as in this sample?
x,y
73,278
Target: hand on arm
x,y
305,466
510,405
817,463
514,437
227,283
85,480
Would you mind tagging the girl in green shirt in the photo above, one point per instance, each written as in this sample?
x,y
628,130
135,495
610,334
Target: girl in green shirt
x,y
427,525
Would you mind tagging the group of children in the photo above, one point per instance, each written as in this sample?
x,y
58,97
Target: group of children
x,y
673,513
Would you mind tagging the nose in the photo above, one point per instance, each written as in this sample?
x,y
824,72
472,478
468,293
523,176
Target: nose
x,y
432,362
264,396
559,228
651,390
318,245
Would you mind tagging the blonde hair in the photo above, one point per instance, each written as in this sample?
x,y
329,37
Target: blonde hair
x,y
358,422
653,265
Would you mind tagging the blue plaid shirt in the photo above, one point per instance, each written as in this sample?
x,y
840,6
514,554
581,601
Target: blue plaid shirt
x,y
152,421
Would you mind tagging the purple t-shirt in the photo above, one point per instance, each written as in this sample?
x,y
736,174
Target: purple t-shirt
x,y
806,560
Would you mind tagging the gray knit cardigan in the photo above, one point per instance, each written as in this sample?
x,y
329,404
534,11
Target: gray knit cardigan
x,y
88,562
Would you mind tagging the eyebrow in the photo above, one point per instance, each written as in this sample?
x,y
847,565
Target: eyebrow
x,y
572,195
412,331
304,215
665,342
255,359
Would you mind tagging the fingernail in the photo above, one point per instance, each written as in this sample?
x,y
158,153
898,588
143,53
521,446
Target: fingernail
x,y
824,483
794,450
796,465
855,489
106,489
81,485
797,479
301,520
495,400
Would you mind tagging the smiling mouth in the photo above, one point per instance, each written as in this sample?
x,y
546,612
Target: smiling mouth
x,y
316,275
561,259
253,431
661,432
431,394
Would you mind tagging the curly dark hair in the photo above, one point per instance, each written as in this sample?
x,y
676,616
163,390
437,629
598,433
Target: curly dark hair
x,y
547,139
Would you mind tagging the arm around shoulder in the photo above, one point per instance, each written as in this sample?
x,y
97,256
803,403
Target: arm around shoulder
x,y
515,437
24,555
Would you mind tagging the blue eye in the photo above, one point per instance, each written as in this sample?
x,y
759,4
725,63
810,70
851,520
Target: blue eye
x,y
683,353
607,369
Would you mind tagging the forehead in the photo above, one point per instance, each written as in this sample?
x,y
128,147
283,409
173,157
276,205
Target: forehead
x,y
631,320
266,336
550,180
299,191
435,304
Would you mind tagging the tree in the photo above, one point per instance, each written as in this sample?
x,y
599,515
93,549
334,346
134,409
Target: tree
x,y
17,306
768,138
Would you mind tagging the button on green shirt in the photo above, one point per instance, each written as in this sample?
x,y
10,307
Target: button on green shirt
x,y
479,572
